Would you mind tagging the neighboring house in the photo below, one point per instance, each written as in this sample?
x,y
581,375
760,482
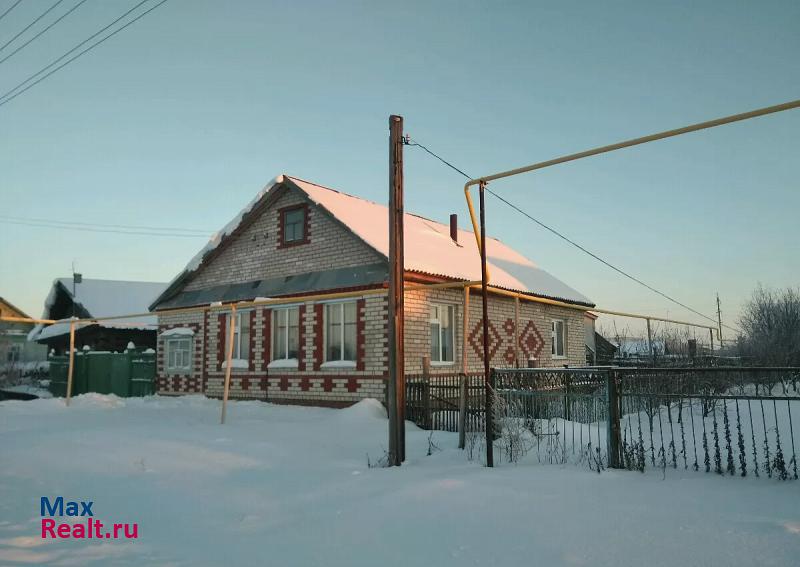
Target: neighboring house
x,y
298,239
14,347
99,298
605,350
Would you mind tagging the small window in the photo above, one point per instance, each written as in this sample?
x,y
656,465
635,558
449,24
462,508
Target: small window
x,y
241,335
340,332
294,225
559,338
178,354
286,333
442,321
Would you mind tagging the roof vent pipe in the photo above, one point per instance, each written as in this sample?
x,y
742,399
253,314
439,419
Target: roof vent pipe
x,y
454,227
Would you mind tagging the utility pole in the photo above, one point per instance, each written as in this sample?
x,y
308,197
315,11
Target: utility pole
x,y
488,390
397,380
719,323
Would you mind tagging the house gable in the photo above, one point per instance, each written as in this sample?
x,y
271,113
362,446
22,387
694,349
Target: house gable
x,y
255,251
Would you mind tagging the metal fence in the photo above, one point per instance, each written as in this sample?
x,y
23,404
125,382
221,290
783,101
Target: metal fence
x,y
126,374
723,420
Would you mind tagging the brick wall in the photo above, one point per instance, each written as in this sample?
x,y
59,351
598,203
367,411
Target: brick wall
x,y
256,253
179,382
312,383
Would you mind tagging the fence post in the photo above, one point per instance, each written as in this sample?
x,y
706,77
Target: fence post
x,y
426,391
567,416
462,411
613,433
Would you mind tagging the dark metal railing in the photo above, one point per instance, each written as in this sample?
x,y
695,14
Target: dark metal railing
x,y
725,420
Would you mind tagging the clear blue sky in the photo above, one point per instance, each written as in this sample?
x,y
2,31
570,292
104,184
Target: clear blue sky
x,y
181,118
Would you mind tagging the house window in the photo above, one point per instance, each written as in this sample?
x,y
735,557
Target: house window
x,y
559,338
293,222
241,336
340,332
286,333
178,353
442,322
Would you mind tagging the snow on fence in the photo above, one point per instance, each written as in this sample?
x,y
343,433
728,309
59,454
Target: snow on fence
x,y
728,421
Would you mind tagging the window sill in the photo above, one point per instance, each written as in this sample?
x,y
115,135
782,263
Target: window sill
x,y
176,372
559,357
338,364
443,362
284,363
236,363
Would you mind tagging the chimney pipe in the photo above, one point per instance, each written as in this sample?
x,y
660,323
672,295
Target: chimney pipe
x,y
454,227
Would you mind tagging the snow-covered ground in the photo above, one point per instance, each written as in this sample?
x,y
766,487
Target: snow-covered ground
x,y
289,486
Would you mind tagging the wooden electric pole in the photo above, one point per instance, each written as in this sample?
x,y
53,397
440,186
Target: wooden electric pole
x,y
488,390
397,382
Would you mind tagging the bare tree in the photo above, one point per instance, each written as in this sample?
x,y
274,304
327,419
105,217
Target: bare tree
x,y
770,325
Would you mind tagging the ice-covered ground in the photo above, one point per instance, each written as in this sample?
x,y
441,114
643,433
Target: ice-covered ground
x,y
289,486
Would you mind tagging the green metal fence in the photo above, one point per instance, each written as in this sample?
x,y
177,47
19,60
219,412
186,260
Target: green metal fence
x,y
125,374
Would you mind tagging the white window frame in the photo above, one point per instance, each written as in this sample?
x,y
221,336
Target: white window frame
x,y
284,362
432,321
237,360
553,342
168,346
342,362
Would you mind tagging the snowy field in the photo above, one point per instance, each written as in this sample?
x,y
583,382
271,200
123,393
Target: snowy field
x,y
289,486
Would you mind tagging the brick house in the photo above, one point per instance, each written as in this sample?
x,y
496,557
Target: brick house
x,y
300,240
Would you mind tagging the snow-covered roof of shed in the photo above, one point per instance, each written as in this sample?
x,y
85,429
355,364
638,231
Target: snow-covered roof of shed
x,y
428,246
103,298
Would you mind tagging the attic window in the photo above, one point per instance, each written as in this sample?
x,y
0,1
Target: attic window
x,y
293,227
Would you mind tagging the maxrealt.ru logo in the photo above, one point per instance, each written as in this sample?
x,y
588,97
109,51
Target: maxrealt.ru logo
x,y
88,529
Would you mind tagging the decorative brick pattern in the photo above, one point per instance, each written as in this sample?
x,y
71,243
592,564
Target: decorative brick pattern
x,y
251,347
531,342
266,334
360,334
318,336
476,339
221,330
301,363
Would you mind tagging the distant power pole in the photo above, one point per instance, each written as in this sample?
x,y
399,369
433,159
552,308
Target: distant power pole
x,y
719,322
397,382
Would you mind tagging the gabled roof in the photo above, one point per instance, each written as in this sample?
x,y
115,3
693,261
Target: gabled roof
x,y
429,250
18,312
101,298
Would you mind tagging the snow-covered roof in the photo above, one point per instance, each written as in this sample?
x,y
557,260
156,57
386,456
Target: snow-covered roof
x,y
428,247
102,298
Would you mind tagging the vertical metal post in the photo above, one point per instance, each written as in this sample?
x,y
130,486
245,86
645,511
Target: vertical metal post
x,y
488,390
71,369
650,344
228,363
426,385
719,323
711,333
396,292
613,433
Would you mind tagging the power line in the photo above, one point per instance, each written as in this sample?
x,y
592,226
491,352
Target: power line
x,y
30,25
8,97
14,5
409,142
42,32
100,225
107,230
